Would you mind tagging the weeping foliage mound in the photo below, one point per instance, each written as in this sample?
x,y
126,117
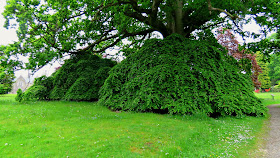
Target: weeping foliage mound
x,y
79,79
40,90
177,75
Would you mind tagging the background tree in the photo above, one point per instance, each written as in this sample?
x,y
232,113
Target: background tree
x,y
226,38
49,30
274,64
263,77
6,69
274,69
7,60
6,80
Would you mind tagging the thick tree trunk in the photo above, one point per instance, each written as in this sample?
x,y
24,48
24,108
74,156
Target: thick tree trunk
x,y
175,18
179,26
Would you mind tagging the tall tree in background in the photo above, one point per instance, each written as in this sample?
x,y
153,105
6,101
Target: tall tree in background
x,y
6,80
49,29
274,64
274,69
263,77
6,70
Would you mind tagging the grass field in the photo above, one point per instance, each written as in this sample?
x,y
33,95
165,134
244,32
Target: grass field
x,y
84,129
267,98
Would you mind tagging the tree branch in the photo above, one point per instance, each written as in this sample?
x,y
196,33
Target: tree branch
x,y
119,38
134,5
155,6
210,8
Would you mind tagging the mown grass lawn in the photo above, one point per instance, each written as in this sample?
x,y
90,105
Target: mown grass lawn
x,y
84,129
267,98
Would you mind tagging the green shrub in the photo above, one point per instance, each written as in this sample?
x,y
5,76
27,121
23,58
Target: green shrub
x,y
178,75
19,95
275,88
64,78
86,88
57,93
40,90
4,89
79,79
46,82
35,92
80,90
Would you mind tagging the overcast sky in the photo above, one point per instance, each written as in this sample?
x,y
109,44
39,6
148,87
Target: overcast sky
x,y
6,36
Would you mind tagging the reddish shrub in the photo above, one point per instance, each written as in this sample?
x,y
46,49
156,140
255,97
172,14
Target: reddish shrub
x,y
226,38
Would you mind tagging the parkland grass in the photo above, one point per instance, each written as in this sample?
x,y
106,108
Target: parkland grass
x,y
85,129
268,99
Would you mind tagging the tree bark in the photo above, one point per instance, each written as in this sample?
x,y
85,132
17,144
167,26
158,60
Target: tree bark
x,y
179,25
175,22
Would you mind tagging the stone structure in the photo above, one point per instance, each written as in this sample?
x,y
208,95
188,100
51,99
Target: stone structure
x,y
20,83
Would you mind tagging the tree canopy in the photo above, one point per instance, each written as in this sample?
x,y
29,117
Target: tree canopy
x,y
49,29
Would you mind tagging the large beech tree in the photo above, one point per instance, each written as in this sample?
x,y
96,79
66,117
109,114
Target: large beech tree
x,y
187,72
49,29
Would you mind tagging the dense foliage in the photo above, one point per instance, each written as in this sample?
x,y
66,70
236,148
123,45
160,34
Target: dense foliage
x,y
6,80
6,71
177,75
264,76
40,90
274,69
80,78
274,64
49,29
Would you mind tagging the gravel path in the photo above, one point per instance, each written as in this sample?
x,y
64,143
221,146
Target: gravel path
x,y
273,144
